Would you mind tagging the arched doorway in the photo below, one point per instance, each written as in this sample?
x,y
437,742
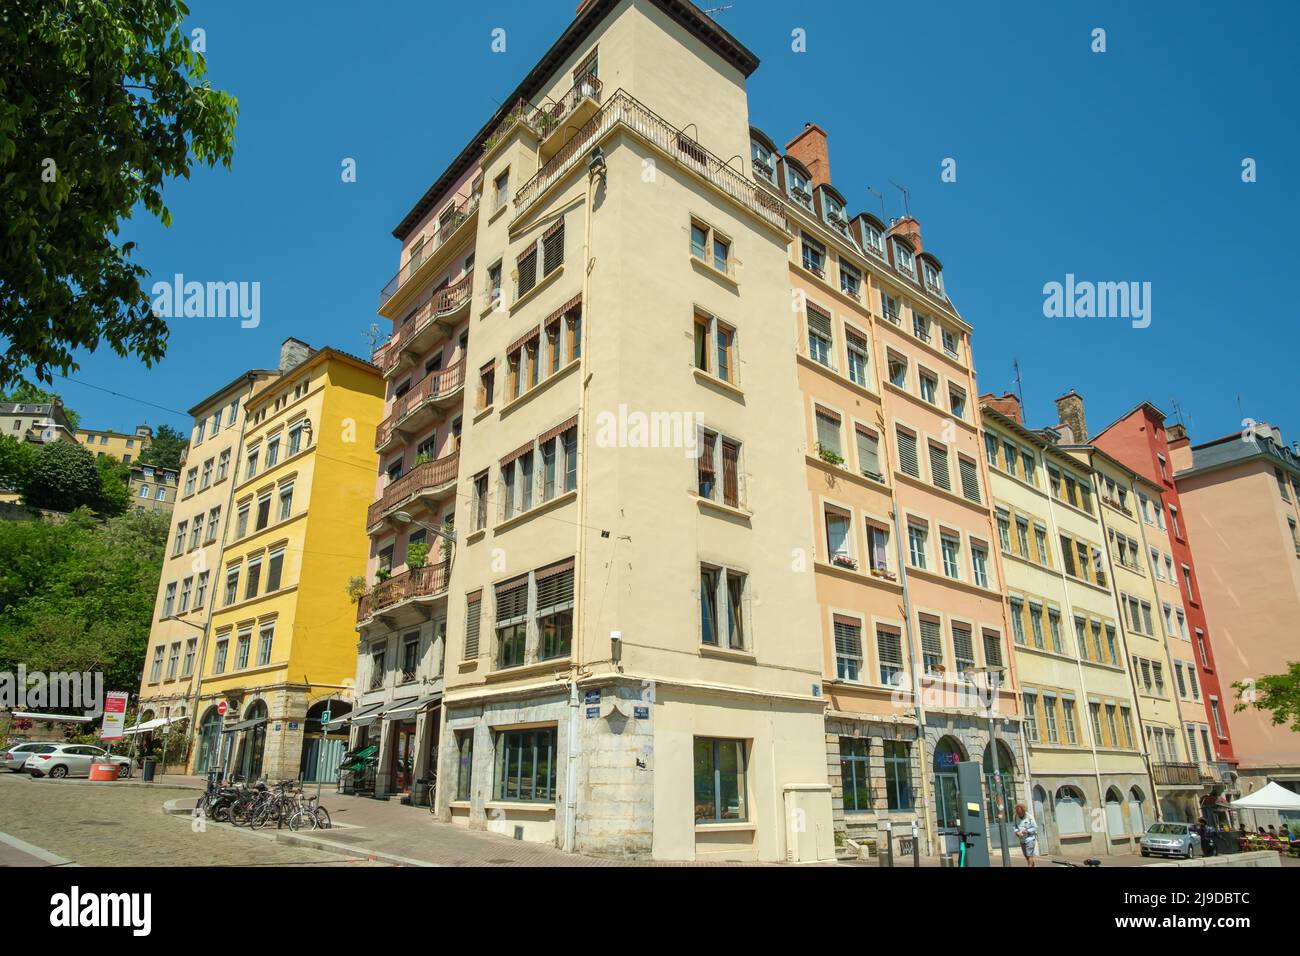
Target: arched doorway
x,y
1000,791
1071,810
209,739
1042,812
947,801
1114,804
1137,817
322,748
251,747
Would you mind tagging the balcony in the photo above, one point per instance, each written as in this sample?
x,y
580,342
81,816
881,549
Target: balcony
x,y
624,110
387,601
428,254
433,320
421,406
1176,774
426,482
552,122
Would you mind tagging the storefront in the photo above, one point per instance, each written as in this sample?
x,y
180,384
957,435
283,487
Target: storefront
x,y
322,747
244,744
209,741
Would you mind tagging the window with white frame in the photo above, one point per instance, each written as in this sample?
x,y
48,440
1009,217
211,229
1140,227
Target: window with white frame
x,y
723,607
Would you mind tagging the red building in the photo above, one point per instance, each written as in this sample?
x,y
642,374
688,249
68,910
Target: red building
x,y
1139,440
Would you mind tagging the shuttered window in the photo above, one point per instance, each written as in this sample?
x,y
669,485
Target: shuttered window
x,y
554,590
889,648
907,454
963,648
828,431
527,268
970,481
848,648
931,646
992,649
730,473
939,467
472,613
512,601
819,337
553,248
868,453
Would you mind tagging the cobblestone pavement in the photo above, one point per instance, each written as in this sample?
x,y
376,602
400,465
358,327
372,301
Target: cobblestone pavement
x,y
110,825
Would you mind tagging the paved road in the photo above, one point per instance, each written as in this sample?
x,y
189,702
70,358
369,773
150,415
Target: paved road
x,y
110,825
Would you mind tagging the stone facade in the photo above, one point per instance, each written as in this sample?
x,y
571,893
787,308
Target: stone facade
x,y
865,827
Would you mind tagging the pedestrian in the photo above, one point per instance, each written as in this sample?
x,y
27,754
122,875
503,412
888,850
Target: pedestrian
x,y
1207,833
1026,833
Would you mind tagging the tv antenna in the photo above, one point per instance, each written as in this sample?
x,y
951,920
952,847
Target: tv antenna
x,y
718,9
881,197
907,194
1020,388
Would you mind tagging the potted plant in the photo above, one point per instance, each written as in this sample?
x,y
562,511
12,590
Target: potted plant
x,y
356,588
828,455
382,575
417,555
844,561
423,458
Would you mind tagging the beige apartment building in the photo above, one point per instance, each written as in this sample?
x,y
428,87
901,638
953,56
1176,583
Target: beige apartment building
x,y
632,663
1241,498
125,448
907,587
186,587
1086,751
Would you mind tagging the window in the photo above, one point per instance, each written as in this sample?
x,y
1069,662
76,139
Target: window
x,y
199,430
1036,623
763,162
897,370
828,435
196,532
526,271
858,352
708,246
1067,718
219,654
868,448
799,185
1017,620
144,491
473,614
1049,714
169,600
526,765
921,326
939,466
719,453
1040,540
904,259
161,495
464,763
889,651
265,638
1218,720
243,647
715,344
873,239
907,459
206,478
854,776
917,535
813,255
511,621
720,795
819,337
186,586
931,646
253,577
929,388
933,277
191,477
963,648
848,648
1031,714
274,568
178,544
878,547
555,610
850,280
1187,583
286,500
837,536
950,547
263,511
1054,629
957,401
155,669
979,557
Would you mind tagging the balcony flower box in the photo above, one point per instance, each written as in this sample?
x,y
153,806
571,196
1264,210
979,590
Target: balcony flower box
x,y
844,561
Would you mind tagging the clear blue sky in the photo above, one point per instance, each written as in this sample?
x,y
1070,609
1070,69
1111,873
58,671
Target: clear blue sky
x,y
1121,166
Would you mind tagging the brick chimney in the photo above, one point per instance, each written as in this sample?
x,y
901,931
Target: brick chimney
x,y
809,147
293,352
1069,407
1005,404
908,228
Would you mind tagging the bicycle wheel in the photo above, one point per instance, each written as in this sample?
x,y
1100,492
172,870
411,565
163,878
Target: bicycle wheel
x,y
323,821
302,820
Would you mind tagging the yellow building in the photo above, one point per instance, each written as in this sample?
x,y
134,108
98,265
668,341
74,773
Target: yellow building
x,y
1085,749
281,644
125,448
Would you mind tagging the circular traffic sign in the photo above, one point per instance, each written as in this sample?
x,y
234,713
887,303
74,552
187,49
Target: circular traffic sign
x,y
221,707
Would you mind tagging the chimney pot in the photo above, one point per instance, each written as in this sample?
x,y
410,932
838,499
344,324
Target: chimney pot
x,y
1069,407
809,148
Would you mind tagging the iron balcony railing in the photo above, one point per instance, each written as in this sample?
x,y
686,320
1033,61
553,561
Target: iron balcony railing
x,y
433,238
434,386
428,581
428,474
437,303
625,110
1176,774
544,119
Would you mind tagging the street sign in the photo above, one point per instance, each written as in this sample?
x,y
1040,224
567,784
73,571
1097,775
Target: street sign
x,y
114,715
325,718
221,707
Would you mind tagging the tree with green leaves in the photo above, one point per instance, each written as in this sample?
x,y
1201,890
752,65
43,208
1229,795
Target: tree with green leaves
x,y
114,486
64,477
165,449
17,458
1278,694
104,100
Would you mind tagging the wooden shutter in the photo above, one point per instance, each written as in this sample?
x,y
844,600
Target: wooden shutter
x,y
962,645
907,454
848,638
511,600
970,481
931,639
820,324
828,430
992,648
555,587
730,473
868,453
553,248
473,608
939,467
889,646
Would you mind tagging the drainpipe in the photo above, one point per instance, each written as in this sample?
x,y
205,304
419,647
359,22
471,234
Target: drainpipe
x,y
911,656
579,555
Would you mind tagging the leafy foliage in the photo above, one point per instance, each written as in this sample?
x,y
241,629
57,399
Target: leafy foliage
x,y
17,458
1279,694
103,101
64,477
165,449
78,595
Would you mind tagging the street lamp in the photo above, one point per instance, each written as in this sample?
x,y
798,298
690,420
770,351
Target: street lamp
x,y
987,680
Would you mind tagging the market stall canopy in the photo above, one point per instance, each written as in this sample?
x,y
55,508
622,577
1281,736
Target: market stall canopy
x,y
365,715
1273,797
409,707
243,725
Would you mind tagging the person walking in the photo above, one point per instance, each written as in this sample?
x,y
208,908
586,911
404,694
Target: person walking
x,y
1207,832
1026,831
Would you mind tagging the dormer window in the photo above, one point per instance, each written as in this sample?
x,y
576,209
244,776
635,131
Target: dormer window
x,y
904,260
834,211
800,186
873,239
764,161
933,277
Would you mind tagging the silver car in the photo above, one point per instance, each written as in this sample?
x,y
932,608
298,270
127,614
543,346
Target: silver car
x,y
14,758
73,760
1170,839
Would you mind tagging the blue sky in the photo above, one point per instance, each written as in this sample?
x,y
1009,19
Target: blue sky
x,y
1115,166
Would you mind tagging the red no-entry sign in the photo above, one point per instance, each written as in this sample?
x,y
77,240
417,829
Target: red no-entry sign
x,y
221,707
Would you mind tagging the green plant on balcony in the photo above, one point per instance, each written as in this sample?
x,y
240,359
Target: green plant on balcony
x,y
829,455
356,588
448,530
382,575
417,555
423,458
546,122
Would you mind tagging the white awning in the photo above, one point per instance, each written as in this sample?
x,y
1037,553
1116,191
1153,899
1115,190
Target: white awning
x,y
1272,797
154,724
410,707
56,718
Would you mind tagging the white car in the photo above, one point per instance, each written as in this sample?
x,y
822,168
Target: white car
x,y
73,760
15,758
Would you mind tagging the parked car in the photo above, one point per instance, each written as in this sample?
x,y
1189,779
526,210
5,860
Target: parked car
x,y
14,758
74,760
1171,839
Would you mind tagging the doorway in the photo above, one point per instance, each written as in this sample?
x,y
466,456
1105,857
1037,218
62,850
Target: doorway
x,y
947,796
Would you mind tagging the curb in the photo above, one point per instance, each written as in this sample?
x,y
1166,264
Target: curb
x,y
295,839
45,856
